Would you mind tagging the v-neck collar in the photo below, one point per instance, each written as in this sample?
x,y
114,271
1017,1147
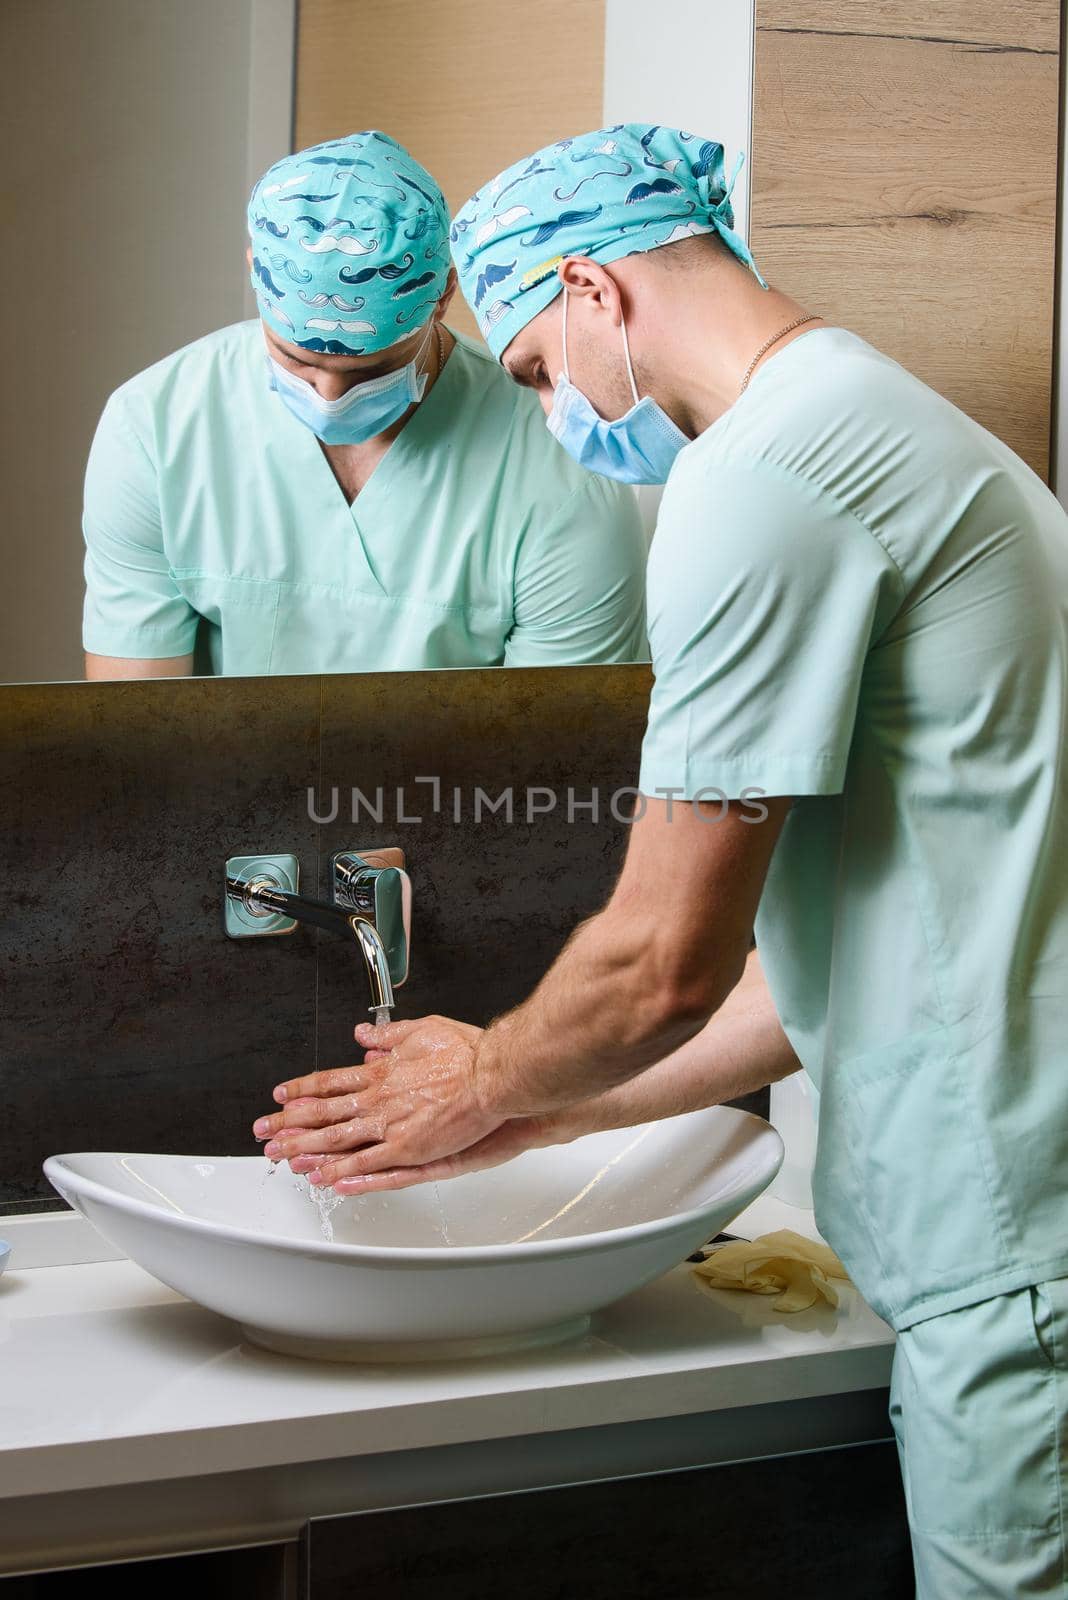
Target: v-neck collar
x,y
329,513
302,443
409,439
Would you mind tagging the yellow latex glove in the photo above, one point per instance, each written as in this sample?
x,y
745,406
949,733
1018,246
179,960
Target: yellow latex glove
x,y
798,1270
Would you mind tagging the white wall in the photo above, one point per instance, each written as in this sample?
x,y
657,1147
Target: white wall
x,y
687,64
132,130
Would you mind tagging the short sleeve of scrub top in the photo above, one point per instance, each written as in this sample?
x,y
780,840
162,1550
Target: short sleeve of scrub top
x,y
579,590
764,597
133,606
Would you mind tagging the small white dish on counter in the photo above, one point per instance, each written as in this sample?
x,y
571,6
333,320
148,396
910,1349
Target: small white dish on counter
x,y
5,1253
515,1256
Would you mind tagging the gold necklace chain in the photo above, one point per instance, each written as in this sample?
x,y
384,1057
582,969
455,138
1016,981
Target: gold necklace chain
x,y
812,316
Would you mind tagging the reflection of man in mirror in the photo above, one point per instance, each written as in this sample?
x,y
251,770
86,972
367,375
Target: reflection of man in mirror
x,y
858,607
345,484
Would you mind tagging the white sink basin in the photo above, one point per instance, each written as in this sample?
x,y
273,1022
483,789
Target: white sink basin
x,y
518,1255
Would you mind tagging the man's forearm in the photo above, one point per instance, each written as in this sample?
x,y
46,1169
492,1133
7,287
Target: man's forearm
x,y
742,1048
601,1014
642,977
109,668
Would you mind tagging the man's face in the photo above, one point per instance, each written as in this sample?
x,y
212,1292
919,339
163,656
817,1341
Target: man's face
x,y
535,356
333,376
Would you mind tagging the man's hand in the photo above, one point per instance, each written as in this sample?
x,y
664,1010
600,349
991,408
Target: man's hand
x,y
414,1103
320,1118
632,986
741,1048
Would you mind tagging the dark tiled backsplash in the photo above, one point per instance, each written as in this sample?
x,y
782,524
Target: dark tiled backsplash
x,y
129,1021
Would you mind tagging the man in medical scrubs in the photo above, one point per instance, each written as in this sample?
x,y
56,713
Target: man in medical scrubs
x,y
344,484
859,624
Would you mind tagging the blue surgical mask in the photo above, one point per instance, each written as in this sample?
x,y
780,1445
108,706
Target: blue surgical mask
x,y
363,411
639,447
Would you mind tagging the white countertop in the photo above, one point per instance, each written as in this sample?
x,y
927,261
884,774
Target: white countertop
x,y
110,1378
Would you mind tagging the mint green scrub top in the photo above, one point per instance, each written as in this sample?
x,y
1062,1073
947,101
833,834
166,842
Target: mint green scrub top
x,y
859,597
476,541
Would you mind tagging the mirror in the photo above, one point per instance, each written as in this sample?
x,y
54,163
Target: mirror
x,y
230,546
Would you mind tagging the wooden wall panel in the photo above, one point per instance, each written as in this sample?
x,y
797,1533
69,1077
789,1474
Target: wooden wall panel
x,y
1033,25
905,185
469,86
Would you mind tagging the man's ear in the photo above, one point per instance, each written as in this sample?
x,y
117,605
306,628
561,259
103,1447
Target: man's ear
x,y
446,294
587,280
248,257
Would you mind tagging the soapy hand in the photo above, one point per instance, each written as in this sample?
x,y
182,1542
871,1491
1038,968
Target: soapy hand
x,y
412,1113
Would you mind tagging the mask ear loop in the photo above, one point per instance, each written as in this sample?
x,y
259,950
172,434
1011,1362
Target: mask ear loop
x,y
626,352
421,378
419,354
563,339
424,348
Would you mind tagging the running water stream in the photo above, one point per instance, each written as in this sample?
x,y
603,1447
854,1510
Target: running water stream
x,y
325,1201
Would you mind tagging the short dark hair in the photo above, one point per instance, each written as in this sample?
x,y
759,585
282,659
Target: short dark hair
x,y
697,250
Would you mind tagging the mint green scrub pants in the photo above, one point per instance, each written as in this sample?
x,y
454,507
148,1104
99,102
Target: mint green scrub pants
x,y
979,1406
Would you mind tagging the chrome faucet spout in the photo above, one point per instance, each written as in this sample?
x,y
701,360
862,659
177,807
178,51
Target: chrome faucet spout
x,y
377,964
